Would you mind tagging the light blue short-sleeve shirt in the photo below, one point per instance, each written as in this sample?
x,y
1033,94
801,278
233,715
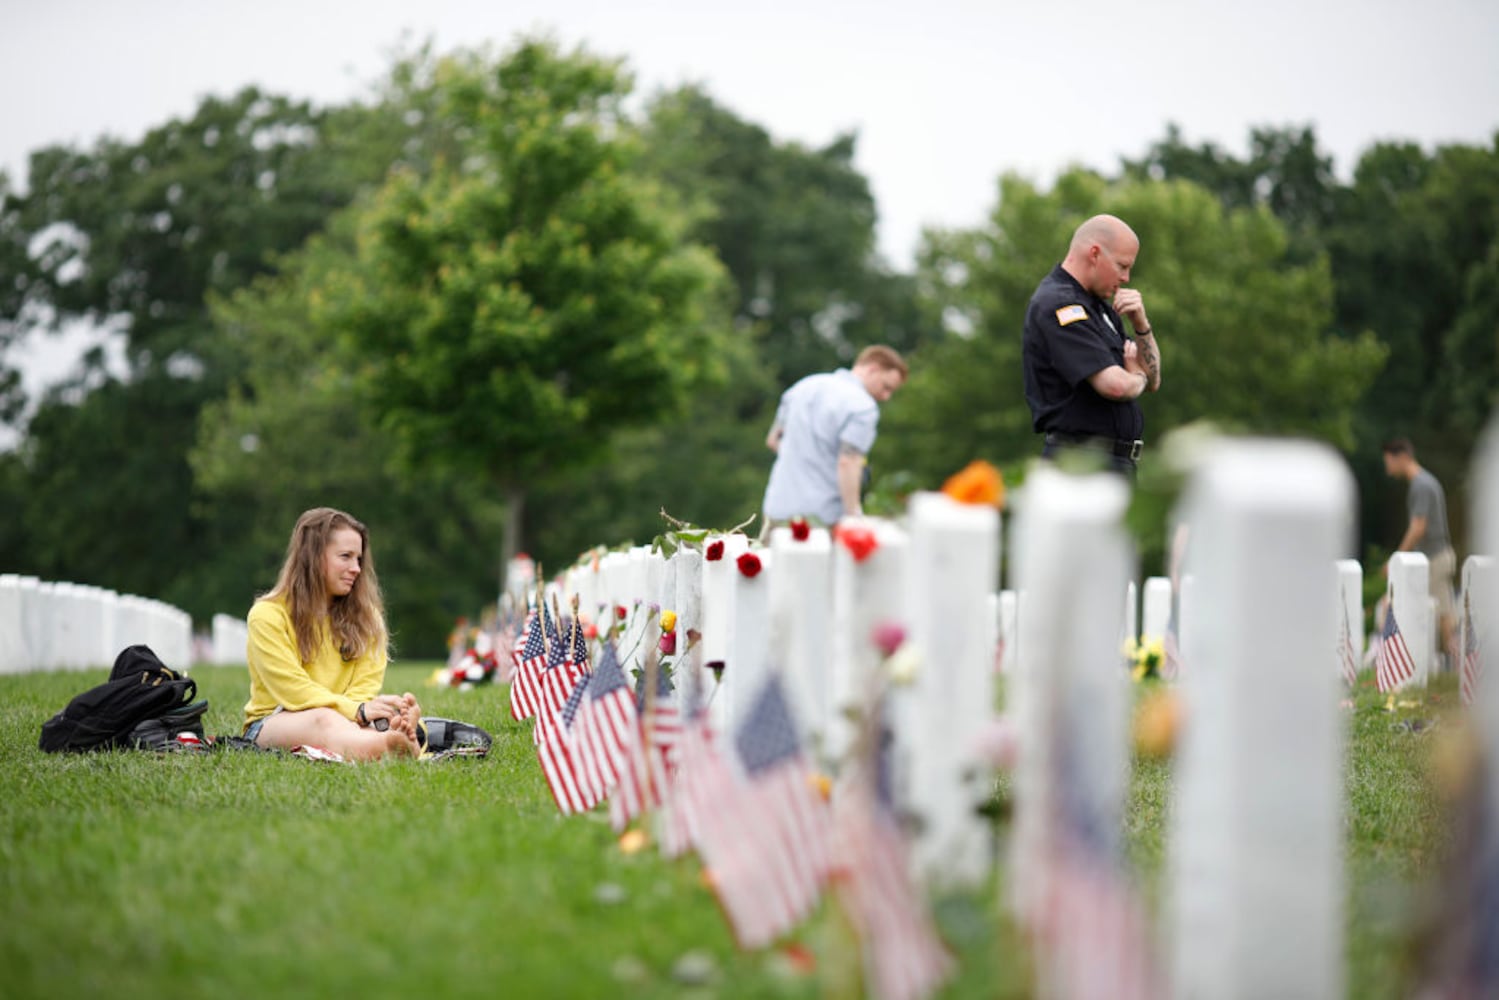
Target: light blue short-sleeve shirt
x,y
817,415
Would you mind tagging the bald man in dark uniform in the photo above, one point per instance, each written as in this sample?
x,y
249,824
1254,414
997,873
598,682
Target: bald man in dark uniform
x,y
1083,371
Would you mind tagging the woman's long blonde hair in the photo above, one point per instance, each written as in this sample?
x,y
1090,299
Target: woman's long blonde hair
x,y
356,620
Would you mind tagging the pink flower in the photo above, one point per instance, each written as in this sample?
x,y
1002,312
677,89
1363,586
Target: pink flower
x,y
888,636
749,564
997,743
714,552
668,644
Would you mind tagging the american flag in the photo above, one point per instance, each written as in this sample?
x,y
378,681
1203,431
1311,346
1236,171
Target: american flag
x,y
578,655
1393,665
601,734
1347,659
529,657
903,956
1090,925
574,786
764,835
643,785
1472,650
556,683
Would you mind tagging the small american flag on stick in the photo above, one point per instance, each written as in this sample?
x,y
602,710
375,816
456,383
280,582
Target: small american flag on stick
x,y
1393,665
765,835
1472,652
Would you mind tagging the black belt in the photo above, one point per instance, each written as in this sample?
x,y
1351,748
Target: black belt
x,y
1119,447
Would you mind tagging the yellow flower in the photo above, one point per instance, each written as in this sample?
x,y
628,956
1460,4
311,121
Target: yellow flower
x,y
668,621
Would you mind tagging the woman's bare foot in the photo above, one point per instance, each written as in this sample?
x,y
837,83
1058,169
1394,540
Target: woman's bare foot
x,y
398,744
412,717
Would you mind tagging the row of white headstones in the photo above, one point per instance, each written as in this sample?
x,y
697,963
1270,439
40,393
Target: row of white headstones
x,y
47,625
1256,831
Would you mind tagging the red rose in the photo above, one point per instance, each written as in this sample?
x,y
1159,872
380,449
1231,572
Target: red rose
x,y
590,631
619,612
749,564
668,644
714,551
859,540
800,529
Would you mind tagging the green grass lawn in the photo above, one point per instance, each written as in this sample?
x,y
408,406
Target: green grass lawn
x,y
244,875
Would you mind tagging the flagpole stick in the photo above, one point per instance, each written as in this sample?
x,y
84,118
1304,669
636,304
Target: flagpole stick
x,y
577,624
541,609
648,724
572,637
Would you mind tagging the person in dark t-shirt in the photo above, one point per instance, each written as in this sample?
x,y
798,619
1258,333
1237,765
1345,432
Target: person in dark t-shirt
x,y
1426,532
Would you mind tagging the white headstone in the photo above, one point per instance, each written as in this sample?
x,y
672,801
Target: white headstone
x,y
1255,859
1485,535
1071,685
13,654
1156,611
1131,629
952,569
231,639
1475,622
636,601
107,644
747,666
1351,607
865,594
717,601
1409,590
1186,601
801,613
614,572
689,609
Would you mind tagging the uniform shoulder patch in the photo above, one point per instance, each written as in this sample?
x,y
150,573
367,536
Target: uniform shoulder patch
x,y
1071,314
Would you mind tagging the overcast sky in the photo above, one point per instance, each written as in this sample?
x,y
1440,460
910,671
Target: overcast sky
x,y
944,94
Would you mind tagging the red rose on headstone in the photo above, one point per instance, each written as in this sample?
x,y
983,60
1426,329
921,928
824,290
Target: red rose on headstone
x,y
714,552
749,564
859,540
800,529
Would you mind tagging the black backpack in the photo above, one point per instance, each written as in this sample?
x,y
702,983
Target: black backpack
x,y
144,704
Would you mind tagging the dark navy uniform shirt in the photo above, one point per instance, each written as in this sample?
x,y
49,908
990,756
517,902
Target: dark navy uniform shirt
x,y
1069,335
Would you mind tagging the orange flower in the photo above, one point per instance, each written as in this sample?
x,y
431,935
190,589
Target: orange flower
x,y
978,482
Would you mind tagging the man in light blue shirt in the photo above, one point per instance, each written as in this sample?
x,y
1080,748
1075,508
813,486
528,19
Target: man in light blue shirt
x,y
824,428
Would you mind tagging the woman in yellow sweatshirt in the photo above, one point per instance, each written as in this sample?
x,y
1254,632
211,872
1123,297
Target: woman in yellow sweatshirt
x,y
318,649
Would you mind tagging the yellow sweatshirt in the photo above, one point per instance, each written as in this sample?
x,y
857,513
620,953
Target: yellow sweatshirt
x,y
279,678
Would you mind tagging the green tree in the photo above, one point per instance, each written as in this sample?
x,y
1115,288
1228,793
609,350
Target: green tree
x,y
509,312
793,225
1285,172
133,237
